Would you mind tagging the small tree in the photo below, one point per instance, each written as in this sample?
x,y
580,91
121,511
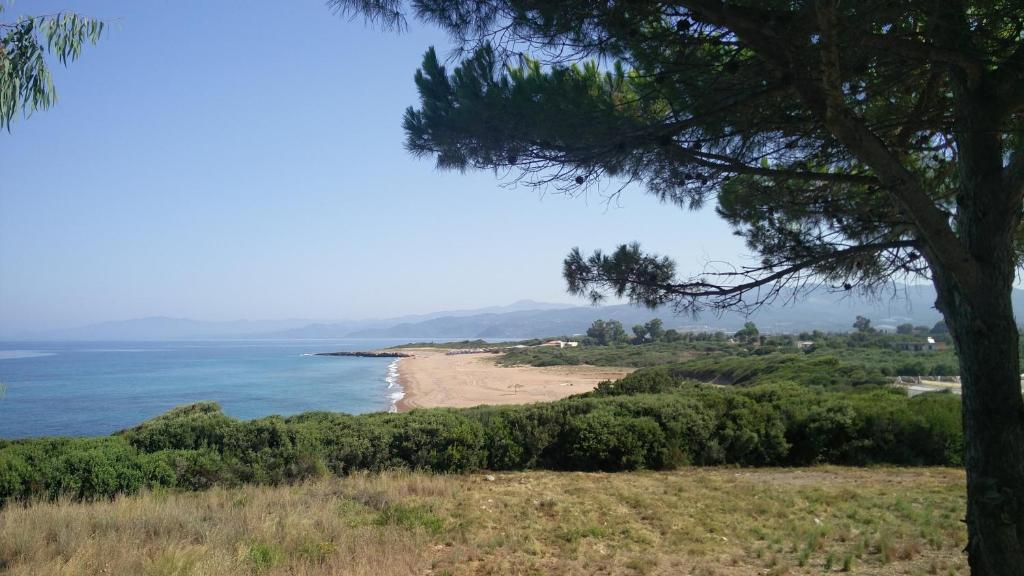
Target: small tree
x,y
597,332
655,330
605,332
615,333
863,325
639,333
749,333
905,329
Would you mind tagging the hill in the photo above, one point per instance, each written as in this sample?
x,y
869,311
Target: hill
x,y
821,309
448,323
165,328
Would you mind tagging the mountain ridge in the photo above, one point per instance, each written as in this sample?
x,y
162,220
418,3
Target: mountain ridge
x,y
820,309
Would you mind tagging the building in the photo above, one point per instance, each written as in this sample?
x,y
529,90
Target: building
x,y
930,345
561,343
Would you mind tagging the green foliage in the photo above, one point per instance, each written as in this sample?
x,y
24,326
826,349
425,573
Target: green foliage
x,y
440,440
862,324
702,101
410,517
653,418
835,360
263,556
770,405
192,427
79,468
606,332
635,356
804,369
655,329
749,333
654,381
25,80
606,440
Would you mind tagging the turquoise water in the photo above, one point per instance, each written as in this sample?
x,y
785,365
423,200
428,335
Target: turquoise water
x,y
96,388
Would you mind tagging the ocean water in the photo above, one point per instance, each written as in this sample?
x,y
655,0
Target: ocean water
x,y
96,388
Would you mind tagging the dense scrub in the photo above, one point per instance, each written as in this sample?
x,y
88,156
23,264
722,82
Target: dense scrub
x,y
629,355
803,369
647,420
711,359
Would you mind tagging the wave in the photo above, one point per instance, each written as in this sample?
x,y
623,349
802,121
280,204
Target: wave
x,y
397,393
15,354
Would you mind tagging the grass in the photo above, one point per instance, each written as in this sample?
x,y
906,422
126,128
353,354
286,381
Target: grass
x,y
695,521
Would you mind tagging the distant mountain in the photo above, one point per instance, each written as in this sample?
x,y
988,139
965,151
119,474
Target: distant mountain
x,y
821,309
518,306
369,327
518,324
163,328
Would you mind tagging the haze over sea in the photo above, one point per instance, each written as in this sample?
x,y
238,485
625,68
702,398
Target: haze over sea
x,y
96,388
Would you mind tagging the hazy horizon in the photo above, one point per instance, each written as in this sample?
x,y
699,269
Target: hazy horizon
x,y
226,177
369,316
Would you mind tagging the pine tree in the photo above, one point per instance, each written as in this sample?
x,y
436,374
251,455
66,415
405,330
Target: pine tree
x,y
849,143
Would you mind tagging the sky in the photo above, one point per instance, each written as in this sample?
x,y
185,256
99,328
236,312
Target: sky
x,y
243,160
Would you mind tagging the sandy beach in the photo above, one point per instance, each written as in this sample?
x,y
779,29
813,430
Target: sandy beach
x,y
430,378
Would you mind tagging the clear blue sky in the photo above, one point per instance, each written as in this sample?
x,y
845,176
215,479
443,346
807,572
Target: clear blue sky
x,y
226,160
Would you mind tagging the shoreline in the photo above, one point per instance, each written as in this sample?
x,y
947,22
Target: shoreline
x,y
395,387
401,404
430,378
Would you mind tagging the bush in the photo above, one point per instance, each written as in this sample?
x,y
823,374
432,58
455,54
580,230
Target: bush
x,y
191,427
650,419
438,440
605,440
652,381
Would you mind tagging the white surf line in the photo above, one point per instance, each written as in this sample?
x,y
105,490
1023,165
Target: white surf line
x,y
397,393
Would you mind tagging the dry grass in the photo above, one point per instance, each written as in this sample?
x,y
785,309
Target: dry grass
x,y
696,521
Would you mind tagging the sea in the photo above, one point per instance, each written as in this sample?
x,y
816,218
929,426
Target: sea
x,y
97,388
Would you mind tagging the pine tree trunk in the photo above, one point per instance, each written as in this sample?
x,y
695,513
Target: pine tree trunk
x,y
986,335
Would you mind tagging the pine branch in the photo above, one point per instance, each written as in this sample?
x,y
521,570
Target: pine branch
x,y
650,281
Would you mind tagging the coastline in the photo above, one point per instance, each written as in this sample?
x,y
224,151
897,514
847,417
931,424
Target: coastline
x,y
395,388
428,378
402,403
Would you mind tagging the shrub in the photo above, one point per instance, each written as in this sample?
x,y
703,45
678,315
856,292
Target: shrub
x,y
650,419
605,440
263,557
200,425
410,517
438,440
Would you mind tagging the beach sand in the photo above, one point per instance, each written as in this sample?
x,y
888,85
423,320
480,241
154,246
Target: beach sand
x,y
430,379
